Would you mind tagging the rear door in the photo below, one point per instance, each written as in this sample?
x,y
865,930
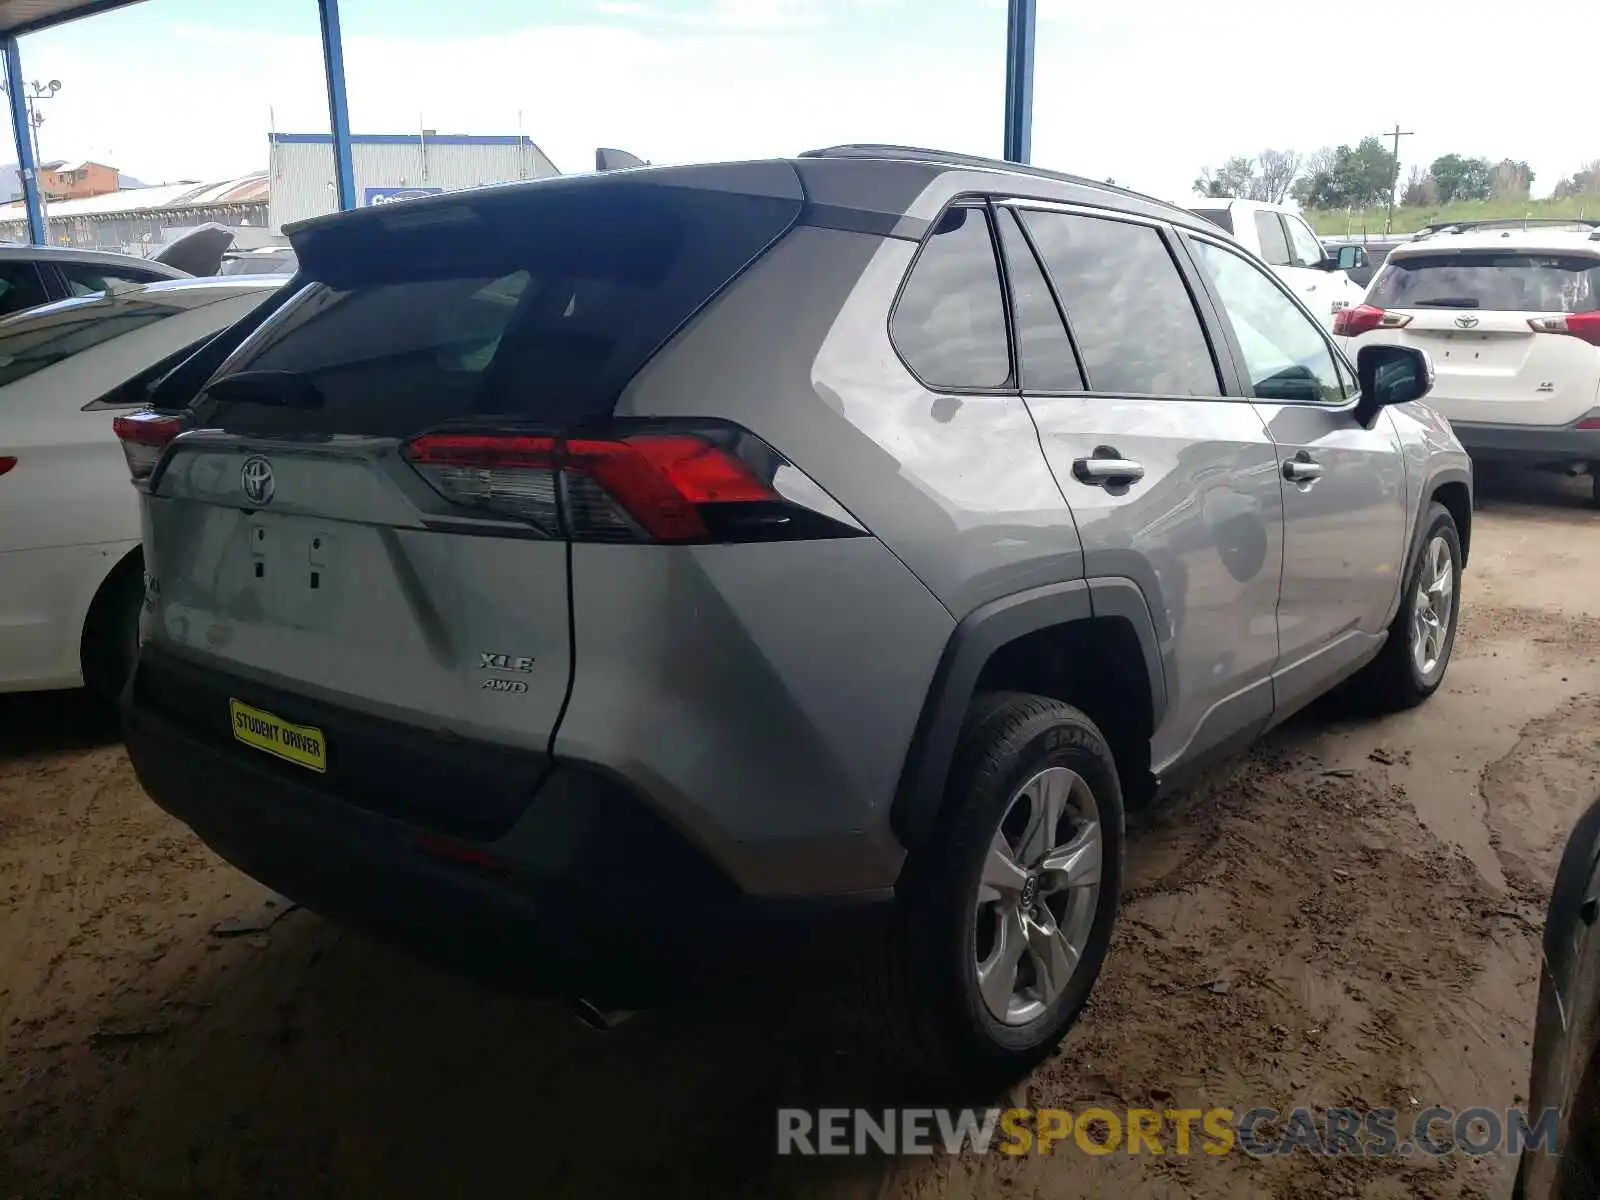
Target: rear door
x,y
1475,313
1172,485
366,519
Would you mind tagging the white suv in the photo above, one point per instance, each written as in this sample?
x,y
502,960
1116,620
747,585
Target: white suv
x,y
1510,313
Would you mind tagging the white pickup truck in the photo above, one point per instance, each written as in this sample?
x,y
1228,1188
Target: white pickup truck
x,y
1280,237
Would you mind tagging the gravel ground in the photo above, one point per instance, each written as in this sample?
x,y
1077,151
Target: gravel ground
x,y
1350,915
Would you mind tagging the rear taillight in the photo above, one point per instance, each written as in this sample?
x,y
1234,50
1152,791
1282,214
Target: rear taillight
x,y
144,436
648,486
7,461
1364,318
1584,326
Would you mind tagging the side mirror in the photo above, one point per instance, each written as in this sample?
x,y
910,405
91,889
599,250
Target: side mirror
x,y
1349,258
1390,375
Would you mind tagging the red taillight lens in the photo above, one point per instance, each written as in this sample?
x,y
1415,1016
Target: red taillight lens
x,y
7,461
1364,318
659,481
662,487
144,435
1584,326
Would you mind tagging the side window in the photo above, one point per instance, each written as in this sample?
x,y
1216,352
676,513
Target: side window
x,y
1304,246
84,279
950,323
1130,311
1048,363
1285,354
1274,246
20,288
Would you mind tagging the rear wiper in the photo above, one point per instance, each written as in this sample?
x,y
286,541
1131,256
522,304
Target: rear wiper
x,y
1446,302
286,389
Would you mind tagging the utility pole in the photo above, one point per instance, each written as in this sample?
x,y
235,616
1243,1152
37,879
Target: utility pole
x,y
1396,133
39,91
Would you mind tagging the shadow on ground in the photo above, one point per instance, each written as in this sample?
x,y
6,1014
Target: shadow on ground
x,y
53,722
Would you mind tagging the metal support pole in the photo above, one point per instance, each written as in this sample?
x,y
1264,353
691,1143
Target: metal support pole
x,y
338,109
22,131
1020,23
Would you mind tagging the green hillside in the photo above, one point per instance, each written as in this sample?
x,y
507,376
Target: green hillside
x,y
1409,220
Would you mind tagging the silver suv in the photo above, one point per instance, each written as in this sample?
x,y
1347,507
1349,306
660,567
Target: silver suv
x,y
602,580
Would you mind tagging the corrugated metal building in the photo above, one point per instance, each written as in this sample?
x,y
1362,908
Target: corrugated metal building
x,y
141,220
391,166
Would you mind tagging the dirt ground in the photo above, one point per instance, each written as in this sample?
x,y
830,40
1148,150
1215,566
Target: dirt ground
x,y
1348,916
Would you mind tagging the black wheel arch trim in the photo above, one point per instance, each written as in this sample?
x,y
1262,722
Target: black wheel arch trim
x,y
975,639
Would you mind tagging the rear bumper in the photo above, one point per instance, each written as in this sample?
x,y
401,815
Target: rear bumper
x,y
589,894
1531,445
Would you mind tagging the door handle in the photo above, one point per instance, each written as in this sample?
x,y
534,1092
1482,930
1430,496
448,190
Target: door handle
x,y
1302,469
1107,468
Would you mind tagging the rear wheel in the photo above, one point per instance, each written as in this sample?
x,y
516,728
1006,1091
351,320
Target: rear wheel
x,y
1412,663
111,631
1006,913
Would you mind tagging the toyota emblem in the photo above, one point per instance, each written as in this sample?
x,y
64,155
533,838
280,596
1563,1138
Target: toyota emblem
x,y
255,478
1467,322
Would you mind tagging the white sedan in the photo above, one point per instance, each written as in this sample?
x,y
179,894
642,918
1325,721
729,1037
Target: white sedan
x,y
71,575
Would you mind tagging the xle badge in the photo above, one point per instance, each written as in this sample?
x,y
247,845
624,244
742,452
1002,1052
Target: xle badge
x,y
508,663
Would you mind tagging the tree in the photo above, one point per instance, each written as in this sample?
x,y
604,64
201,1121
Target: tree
x,y
1232,180
1510,180
1276,174
1268,176
1421,191
1584,182
1460,178
1346,177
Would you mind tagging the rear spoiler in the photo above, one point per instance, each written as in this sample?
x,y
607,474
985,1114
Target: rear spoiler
x,y
177,389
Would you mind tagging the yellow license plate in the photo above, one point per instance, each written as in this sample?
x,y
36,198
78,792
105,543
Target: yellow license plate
x,y
303,745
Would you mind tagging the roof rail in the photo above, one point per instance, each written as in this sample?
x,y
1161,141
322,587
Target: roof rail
x,y
1573,223
952,158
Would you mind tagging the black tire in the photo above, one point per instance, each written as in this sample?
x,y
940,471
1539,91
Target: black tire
x,y
111,630
1393,682
928,1005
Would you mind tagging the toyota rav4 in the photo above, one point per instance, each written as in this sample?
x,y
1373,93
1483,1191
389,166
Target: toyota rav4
x,y
601,580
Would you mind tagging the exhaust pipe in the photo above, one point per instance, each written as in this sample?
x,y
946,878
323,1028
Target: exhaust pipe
x,y
603,1020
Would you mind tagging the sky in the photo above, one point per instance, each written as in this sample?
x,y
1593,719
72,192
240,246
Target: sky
x,y
188,89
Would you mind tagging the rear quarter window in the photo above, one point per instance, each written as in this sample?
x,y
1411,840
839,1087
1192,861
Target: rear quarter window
x,y
950,321
1519,282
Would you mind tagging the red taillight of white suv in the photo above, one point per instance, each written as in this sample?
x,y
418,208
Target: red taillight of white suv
x,y
656,486
144,436
1584,326
1364,318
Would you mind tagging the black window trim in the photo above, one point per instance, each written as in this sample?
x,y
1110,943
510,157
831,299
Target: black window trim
x,y
1014,216
1224,363
1245,384
1012,384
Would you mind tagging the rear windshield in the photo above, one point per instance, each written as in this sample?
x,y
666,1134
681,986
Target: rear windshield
x,y
1501,282
542,319
1222,218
